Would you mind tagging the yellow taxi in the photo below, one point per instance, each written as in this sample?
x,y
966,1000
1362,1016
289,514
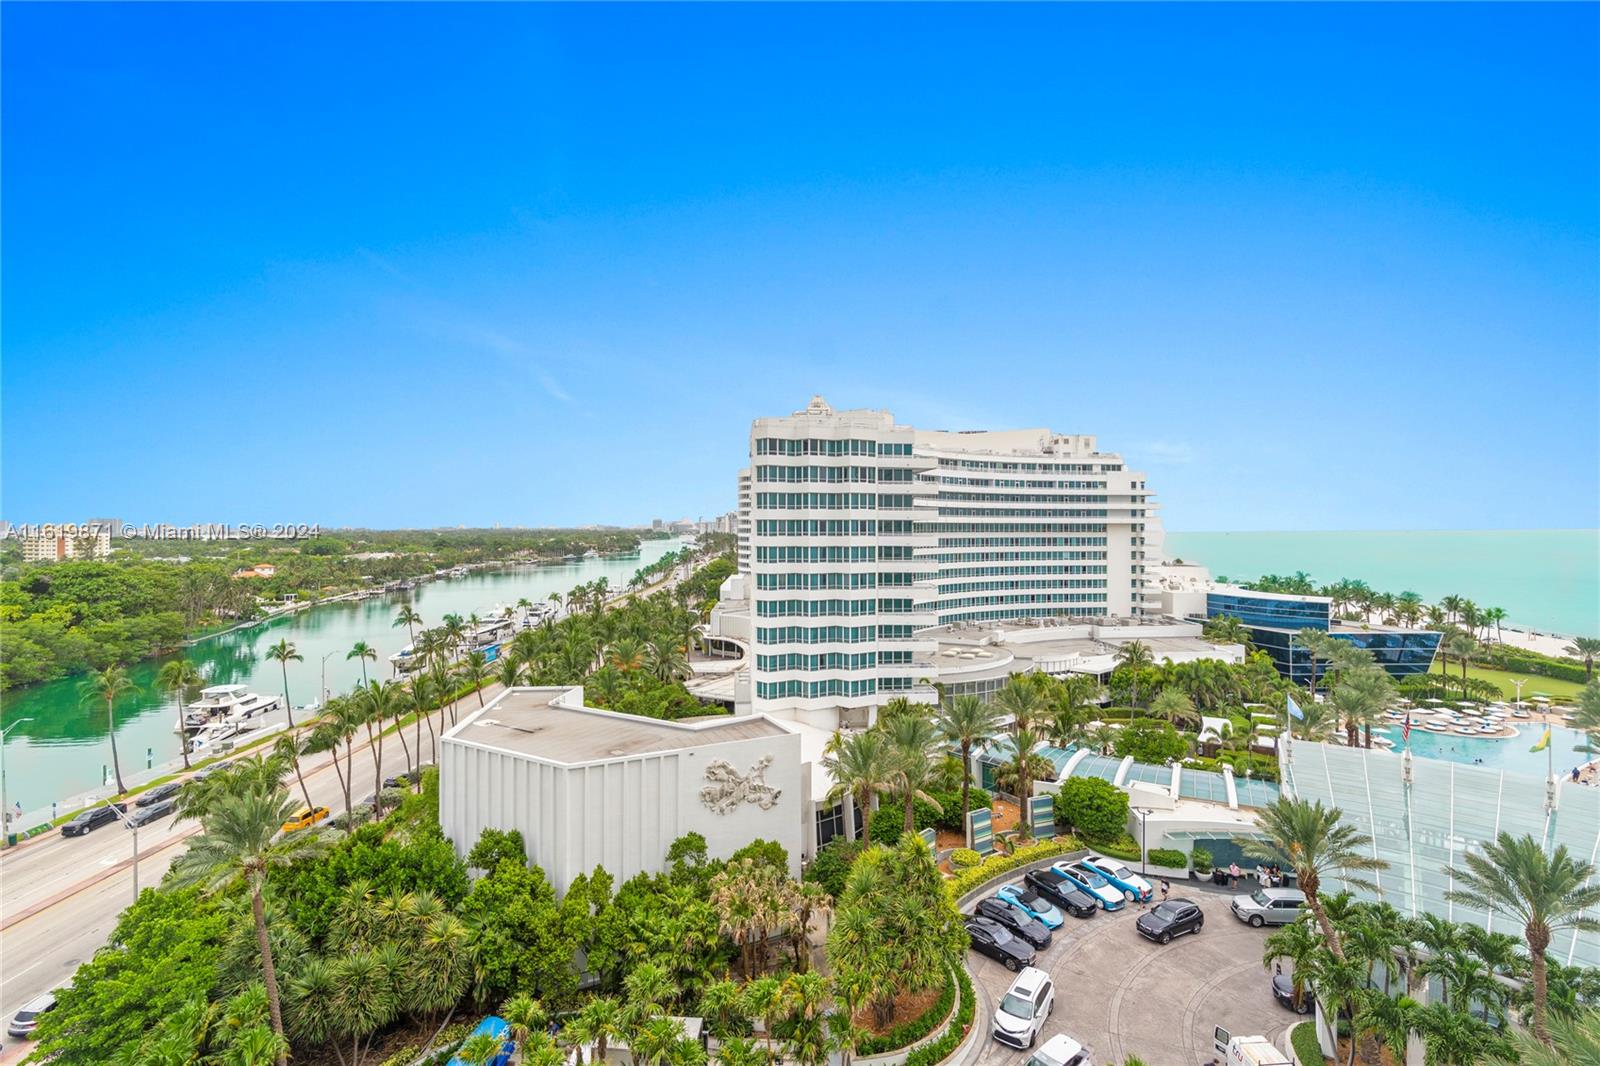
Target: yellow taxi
x,y
305,816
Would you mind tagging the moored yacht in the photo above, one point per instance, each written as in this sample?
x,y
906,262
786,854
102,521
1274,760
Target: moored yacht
x,y
234,704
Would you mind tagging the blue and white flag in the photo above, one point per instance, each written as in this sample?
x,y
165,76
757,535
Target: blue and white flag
x,y
1294,711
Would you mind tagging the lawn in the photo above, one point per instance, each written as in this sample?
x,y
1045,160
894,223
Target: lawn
x,y
1552,687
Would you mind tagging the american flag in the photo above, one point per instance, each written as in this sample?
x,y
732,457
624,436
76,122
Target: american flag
x,y
1405,733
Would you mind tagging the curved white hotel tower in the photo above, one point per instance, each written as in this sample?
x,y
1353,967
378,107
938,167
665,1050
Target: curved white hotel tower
x,y
865,533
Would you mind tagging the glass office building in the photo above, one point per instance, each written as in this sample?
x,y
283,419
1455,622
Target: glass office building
x,y
1423,827
1274,620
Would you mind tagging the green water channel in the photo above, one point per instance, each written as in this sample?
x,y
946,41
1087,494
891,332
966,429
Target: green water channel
x,y
65,751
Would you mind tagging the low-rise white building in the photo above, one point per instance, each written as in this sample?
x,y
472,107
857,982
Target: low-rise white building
x,y
589,787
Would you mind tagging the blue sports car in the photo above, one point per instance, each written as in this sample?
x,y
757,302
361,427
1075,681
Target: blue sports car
x,y
1131,884
1033,903
1092,883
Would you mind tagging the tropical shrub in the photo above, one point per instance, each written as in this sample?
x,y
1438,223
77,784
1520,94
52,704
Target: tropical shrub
x,y
1171,858
995,865
945,1046
770,852
894,930
886,824
1092,808
948,817
915,1029
962,858
1124,847
831,865
1150,740
1201,859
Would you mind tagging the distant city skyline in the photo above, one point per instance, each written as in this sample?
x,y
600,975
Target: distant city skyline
x,y
1309,267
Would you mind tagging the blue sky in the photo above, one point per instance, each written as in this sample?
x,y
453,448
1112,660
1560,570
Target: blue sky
x,y
1310,267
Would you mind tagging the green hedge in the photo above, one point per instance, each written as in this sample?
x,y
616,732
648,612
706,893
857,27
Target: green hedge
x,y
945,1046
1538,665
963,858
1124,847
995,865
831,865
908,1033
1169,857
1303,1038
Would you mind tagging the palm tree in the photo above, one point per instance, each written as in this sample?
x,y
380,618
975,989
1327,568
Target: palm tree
x,y
1019,700
109,685
180,677
862,765
912,740
1361,696
525,1016
382,701
1297,943
1463,647
364,652
968,722
240,842
1390,1019
1451,1037
1575,1042
1135,656
409,618
1316,843
480,1049
1173,705
283,653
1545,893
600,1021
475,671
1585,649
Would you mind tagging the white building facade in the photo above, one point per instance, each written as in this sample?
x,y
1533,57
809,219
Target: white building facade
x,y
865,533
589,787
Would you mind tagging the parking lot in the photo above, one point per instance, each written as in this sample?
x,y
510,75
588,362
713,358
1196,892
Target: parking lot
x,y
1119,994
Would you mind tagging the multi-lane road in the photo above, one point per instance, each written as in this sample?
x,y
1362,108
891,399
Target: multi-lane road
x,y
60,896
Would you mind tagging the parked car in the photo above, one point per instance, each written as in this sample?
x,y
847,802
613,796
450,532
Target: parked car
x,y
1022,1011
989,937
1063,893
1171,918
1269,906
305,816
397,781
90,820
1283,992
201,775
1015,919
1091,882
1030,901
158,794
26,1020
146,815
1060,1050
493,1025
1114,870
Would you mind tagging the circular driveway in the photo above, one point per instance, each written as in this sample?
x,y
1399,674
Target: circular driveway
x,y
1119,994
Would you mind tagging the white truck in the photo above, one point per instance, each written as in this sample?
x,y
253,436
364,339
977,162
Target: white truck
x,y
1248,1050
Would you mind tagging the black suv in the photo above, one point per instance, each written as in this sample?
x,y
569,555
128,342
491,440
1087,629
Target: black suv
x,y
91,819
1063,893
990,938
1171,918
1015,919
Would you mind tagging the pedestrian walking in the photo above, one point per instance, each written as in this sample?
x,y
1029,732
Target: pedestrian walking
x,y
1165,888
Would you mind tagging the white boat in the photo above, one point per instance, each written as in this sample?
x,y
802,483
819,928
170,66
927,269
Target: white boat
x,y
210,739
234,704
405,659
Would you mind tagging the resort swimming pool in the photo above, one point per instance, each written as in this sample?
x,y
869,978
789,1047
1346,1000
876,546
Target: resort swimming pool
x,y
1512,754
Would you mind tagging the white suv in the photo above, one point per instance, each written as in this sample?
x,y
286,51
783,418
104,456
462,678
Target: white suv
x,y
1022,1011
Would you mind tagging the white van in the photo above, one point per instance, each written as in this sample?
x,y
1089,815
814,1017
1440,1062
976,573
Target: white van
x,y
1022,1011
1060,1050
1248,1050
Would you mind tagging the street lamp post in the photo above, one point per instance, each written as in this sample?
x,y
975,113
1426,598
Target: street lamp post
x,y
325,677
5,835
135,831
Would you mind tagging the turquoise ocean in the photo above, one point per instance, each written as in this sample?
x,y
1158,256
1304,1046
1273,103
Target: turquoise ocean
x,y
1547,580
